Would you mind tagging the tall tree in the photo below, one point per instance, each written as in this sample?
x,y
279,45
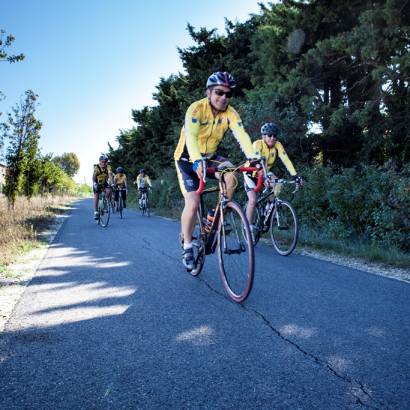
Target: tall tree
x,y
68,162
22,131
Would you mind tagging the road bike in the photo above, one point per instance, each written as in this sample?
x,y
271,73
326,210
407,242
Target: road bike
x,y
277,217
229,232
144,202
104,209
120,202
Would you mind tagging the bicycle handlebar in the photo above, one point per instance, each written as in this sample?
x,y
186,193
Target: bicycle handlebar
x,y
212,170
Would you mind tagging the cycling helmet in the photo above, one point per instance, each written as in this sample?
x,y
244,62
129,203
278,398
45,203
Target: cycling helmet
x,y
103,157
142,170
221,78
270,128
120,170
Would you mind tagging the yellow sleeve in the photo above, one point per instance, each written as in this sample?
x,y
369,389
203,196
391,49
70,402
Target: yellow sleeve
x,y
191,130
149,181
285,159
235,124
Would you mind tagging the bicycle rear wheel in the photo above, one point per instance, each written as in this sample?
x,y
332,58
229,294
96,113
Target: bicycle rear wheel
x,y
104,210
198,245
235,252
284,229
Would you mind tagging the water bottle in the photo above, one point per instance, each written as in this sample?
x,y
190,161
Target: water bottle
x,y
209,220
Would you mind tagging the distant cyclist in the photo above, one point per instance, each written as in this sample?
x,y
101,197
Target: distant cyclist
x,y
270,148
102,180
143,183
206,122
120,181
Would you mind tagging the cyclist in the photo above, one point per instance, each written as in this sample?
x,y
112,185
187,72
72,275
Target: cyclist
x,y
206,122
120,181
102,180
143,183
270,148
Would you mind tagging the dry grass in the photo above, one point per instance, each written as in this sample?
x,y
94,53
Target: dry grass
x,y
20,227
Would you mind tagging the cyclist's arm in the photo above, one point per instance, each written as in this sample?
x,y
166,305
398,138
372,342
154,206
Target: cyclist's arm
x,y
285,159
191,132
235,124
125,182
110,177
149,181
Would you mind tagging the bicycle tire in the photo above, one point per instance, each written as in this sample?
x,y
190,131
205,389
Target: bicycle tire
x,y
198,245
147,210
120,207
235,252
284,228
104,212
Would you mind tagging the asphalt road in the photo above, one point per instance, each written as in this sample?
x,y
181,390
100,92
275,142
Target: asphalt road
x,y
112,321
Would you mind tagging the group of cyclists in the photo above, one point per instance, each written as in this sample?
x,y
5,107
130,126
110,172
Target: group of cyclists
x,y
206,122
104,180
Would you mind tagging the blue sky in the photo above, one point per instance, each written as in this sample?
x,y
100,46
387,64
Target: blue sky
x,y
93,61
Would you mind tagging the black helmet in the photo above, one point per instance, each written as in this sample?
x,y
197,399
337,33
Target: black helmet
x,y
142,170
270,128
221,78
120,170
103,157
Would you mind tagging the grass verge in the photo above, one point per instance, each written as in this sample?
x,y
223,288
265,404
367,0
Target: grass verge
x,y
21,227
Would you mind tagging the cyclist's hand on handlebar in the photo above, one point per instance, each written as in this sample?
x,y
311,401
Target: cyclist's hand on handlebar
x,y
299,180
95,186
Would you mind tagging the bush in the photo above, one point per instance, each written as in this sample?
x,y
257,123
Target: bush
x,y
369,203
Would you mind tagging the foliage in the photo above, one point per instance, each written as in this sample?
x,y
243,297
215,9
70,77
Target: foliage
x,y
22,132
370,203
335,77
5,42
68,162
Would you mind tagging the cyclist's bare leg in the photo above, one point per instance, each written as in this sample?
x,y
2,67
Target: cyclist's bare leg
x,y
188,215
95,201
250,208
230,183
108,193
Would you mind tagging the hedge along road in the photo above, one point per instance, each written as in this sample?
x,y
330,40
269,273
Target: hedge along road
x,y
112,320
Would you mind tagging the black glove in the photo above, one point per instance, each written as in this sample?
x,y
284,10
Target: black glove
x,y
298,179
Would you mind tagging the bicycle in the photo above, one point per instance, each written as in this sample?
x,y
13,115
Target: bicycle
x,y
144,202
103,209
278,217
230,233
120,203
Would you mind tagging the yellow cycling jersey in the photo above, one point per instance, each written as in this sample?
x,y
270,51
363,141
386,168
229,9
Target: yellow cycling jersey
x,y
143,182
101,174
202,131
272,153
120,180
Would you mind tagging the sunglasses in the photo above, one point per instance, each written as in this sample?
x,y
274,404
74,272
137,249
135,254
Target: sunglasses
x,y
270,135
220,93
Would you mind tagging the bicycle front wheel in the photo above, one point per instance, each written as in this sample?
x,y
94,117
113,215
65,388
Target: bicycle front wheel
x,y
284,228
120,207
104,211
235,252
147,210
